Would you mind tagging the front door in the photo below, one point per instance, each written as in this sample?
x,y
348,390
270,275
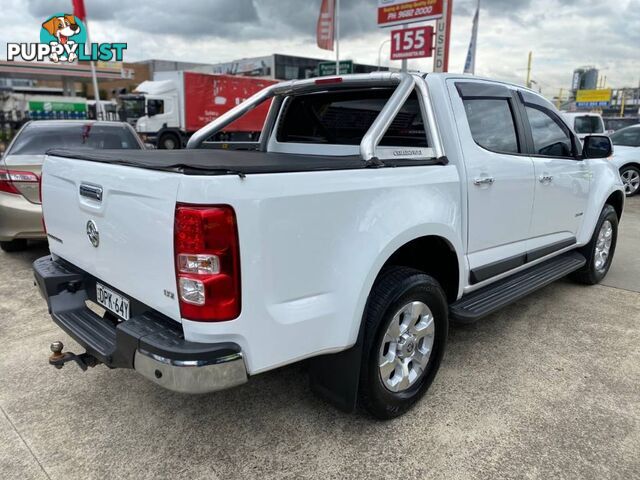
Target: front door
x,y
562,181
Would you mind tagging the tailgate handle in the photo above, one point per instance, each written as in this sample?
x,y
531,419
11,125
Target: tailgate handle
x,y
91,191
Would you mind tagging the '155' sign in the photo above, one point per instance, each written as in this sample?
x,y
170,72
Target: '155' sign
x,y
411,43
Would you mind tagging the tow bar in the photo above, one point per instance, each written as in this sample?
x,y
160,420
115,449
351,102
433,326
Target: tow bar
x,y
58,358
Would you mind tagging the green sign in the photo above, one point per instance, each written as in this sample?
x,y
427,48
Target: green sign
x,y
329,68
46,106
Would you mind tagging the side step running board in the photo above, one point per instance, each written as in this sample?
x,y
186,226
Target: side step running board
x,y
476,305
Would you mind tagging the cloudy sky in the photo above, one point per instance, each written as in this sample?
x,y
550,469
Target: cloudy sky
x,y
563,34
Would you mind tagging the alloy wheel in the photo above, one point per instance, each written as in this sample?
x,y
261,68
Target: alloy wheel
x,y
406,347
631,181
603,246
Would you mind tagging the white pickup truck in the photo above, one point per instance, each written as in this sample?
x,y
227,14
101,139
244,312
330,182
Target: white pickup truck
x,y
373,209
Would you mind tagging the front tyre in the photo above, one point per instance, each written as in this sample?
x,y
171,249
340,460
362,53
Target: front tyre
x,y
599,251
406,323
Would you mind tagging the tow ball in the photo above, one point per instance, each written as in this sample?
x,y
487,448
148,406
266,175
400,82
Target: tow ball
x,y
58,358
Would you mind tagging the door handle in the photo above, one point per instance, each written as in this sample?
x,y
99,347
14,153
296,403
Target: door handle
x,y
545,178
483,181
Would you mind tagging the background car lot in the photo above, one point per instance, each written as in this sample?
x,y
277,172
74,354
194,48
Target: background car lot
x,y
548,387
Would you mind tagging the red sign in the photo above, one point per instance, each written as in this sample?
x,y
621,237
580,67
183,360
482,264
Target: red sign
x,y
396,12
411,43
79,10
209,96
326,25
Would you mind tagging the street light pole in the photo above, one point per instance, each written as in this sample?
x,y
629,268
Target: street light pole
x,y
528,83
380,53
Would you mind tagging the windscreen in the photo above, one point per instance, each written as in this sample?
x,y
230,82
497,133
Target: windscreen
x,y
132,108
36,139
588,124
628,137
619,123
343,118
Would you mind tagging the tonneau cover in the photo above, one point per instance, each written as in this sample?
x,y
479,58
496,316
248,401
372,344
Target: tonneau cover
x,y
225,162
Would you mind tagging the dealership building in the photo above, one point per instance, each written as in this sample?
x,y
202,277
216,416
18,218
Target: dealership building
x,y
281,67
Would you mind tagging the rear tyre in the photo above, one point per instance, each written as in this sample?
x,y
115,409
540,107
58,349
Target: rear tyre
x,y
599,251
169,141
406,323
14,245
630,175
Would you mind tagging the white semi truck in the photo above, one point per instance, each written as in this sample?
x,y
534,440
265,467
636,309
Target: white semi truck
x,y
165,111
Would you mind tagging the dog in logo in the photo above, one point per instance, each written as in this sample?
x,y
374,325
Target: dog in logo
x,y
62,28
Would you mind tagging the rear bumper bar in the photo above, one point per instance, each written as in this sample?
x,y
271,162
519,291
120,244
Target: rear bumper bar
x,y
148,342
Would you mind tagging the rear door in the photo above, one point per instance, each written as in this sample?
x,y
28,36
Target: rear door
x,y
562,180
500,176
130,211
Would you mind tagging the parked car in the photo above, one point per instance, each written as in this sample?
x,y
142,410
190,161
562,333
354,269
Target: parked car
x,y
20,211
373,209
613,124
584,123
627,157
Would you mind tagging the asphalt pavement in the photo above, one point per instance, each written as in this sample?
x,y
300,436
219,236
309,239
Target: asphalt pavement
x,y
547,388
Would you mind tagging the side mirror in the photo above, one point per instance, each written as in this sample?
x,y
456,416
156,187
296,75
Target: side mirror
x,y
152,108
597,146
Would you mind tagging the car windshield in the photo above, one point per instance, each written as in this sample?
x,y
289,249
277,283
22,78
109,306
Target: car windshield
x,y
37,139
627,137
588,124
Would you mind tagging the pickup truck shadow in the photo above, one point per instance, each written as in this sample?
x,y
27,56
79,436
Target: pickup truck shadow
x,y
285,392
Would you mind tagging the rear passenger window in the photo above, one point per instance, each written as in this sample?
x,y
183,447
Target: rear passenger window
x,y
550,138
491,123
343,118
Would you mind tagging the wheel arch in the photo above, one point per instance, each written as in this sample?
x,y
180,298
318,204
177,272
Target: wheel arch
x,y
632,163
433,255
341,389
616,200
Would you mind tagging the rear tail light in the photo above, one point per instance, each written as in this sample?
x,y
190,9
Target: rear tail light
x,y
207,262
10,180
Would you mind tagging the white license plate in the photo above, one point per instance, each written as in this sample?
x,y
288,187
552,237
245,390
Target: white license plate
x,y
112,301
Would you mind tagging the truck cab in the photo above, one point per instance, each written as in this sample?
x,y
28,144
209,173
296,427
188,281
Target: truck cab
x,y
154,111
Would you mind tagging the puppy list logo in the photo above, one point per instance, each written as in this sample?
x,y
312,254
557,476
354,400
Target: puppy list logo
x,y
63,38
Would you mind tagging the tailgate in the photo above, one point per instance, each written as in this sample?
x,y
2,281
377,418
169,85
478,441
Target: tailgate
x,y
132,210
